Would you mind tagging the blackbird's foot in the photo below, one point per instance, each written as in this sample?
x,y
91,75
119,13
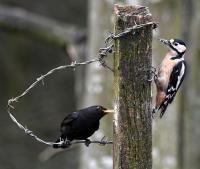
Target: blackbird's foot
x,y
66,144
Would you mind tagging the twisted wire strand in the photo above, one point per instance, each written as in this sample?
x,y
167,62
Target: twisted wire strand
x,y
103,52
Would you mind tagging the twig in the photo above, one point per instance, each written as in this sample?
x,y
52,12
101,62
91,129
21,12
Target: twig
x,y
95,142
30,133
103,141
42,77
87,142
18,20
131,29
103,52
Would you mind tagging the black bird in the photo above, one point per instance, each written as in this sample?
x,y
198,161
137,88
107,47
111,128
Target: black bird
x,y
80,125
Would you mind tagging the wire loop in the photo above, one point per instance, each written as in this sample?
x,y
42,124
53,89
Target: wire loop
x,y
103,52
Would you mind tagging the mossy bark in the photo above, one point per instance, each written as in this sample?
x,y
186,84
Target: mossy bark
x,y
132,122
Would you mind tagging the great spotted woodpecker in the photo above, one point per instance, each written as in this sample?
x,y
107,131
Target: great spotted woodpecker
x,y
170,74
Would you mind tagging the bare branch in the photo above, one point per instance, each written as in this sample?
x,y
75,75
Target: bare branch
x,y
42,77
103,142
18,20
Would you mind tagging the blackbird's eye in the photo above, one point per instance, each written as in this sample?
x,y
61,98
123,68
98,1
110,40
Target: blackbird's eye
x,y
98,107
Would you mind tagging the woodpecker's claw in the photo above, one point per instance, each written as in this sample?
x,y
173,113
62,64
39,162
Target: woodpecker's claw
x,y
153,74
153,69
151,79
152,115
66,144
153,112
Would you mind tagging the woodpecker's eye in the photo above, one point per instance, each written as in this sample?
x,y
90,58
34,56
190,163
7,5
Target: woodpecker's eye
x,y
175,43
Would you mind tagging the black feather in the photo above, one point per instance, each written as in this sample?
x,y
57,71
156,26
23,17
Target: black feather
x,y
174,85
180,42
80,125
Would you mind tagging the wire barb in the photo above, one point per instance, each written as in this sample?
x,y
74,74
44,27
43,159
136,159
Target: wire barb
x,y
104,141
102,53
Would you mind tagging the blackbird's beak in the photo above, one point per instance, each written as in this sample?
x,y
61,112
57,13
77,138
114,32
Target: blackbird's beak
x,y
164,41
108,111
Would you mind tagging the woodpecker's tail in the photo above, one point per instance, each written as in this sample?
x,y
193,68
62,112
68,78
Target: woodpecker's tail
x,y
163,108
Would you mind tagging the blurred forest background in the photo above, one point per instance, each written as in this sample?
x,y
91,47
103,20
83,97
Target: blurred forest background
x,y
36,36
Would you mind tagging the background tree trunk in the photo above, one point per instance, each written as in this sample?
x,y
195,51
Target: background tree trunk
x,y
23,59
165,135
186,24
97,86
132,121
190,100
176,136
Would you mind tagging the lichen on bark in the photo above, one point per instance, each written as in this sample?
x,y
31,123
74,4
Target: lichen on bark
x,y
132,122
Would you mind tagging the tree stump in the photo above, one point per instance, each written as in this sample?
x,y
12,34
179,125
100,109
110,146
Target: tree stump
x,y
132,147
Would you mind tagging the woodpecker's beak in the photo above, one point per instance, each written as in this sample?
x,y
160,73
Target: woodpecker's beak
x,y
164,41
108,111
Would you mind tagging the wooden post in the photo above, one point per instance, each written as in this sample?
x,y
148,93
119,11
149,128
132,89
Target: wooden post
x,y
132,147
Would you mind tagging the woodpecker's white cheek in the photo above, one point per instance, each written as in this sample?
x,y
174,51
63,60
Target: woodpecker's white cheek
x,y
181,48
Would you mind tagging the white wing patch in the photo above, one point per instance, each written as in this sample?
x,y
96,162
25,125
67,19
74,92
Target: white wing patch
x,y
180,76
171,89
171,92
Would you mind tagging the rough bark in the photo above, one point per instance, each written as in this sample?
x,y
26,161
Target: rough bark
x,y
132,122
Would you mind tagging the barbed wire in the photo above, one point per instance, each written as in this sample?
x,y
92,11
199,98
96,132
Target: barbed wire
x,y
102,53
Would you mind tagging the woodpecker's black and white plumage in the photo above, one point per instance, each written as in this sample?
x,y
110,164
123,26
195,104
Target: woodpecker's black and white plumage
x,y
170,75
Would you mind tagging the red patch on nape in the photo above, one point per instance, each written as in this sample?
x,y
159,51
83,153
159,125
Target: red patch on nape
x,y
160,98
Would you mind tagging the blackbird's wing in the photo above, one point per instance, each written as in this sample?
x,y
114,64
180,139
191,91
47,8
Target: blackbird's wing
x,y
68,120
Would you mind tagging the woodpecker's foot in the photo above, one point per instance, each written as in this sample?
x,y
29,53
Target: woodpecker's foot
x,y
152,74
161,114
153,69
150,79
153,112
153,77
87,142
